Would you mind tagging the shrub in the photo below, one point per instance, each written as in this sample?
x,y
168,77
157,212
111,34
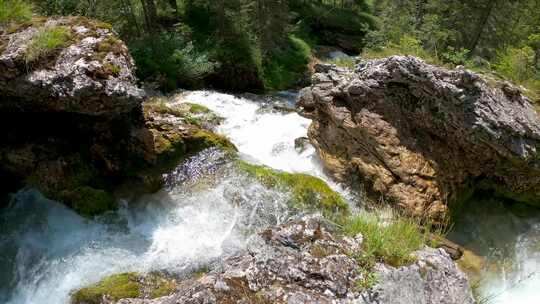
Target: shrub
x,y
517,64
283,70
392,243
14,10
172,59
407,46
47,40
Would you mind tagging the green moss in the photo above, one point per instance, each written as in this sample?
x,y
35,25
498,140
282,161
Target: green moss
x,y
197,108
117,287
88,201
204,139
308,192
46,41
126,285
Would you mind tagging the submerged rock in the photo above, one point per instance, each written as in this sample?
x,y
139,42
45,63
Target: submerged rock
x,y
302,261
424,136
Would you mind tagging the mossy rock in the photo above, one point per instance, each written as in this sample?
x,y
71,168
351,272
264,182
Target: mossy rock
x,y
126,285
115,287
88,201
308,192
202,139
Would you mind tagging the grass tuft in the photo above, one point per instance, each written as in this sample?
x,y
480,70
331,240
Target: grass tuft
x,y
47,40
392,243
15,10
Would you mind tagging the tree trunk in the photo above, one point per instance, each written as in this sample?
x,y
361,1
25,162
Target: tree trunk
x,y
483,22
174,5
150,15
420,13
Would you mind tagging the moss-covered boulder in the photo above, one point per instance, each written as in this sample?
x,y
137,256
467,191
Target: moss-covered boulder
x,y
125,285
307,192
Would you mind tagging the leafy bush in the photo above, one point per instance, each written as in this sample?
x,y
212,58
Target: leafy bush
x,y
283,70
407,45
517,63
47,40
14,10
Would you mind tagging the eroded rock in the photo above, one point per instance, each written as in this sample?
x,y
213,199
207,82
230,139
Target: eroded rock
x,y
421,135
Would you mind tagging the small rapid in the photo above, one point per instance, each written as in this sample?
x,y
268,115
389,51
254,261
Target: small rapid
x,y
49,251
508,237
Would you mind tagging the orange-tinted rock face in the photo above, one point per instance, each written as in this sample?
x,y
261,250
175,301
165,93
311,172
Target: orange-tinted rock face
x,y
423,136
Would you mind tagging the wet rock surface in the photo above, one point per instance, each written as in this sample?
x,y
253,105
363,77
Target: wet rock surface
x,y
422,135
302,261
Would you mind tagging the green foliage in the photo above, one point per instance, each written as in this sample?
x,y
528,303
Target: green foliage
x,y
171,59
46,41
117,287
284,69
517,64
392,243
406,46
14,10
308,192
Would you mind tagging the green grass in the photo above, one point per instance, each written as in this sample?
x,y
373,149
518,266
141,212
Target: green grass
x,y
46,41
308,192
14,10
343,62
392,243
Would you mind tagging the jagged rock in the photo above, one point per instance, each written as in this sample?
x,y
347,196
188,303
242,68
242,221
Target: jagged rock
x,y
421,135
303,262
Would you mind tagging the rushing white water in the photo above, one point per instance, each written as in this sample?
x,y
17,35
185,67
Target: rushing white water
x,y
264,136
48,251
509,237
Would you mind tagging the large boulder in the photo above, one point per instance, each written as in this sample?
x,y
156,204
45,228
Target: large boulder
x,y
424,136
302,261
72,117
69,64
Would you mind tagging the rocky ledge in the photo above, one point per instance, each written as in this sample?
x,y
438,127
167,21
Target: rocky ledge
x,y
424,136
74,123
303,261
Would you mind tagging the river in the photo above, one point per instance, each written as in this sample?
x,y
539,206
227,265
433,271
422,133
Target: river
x,y
48,251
